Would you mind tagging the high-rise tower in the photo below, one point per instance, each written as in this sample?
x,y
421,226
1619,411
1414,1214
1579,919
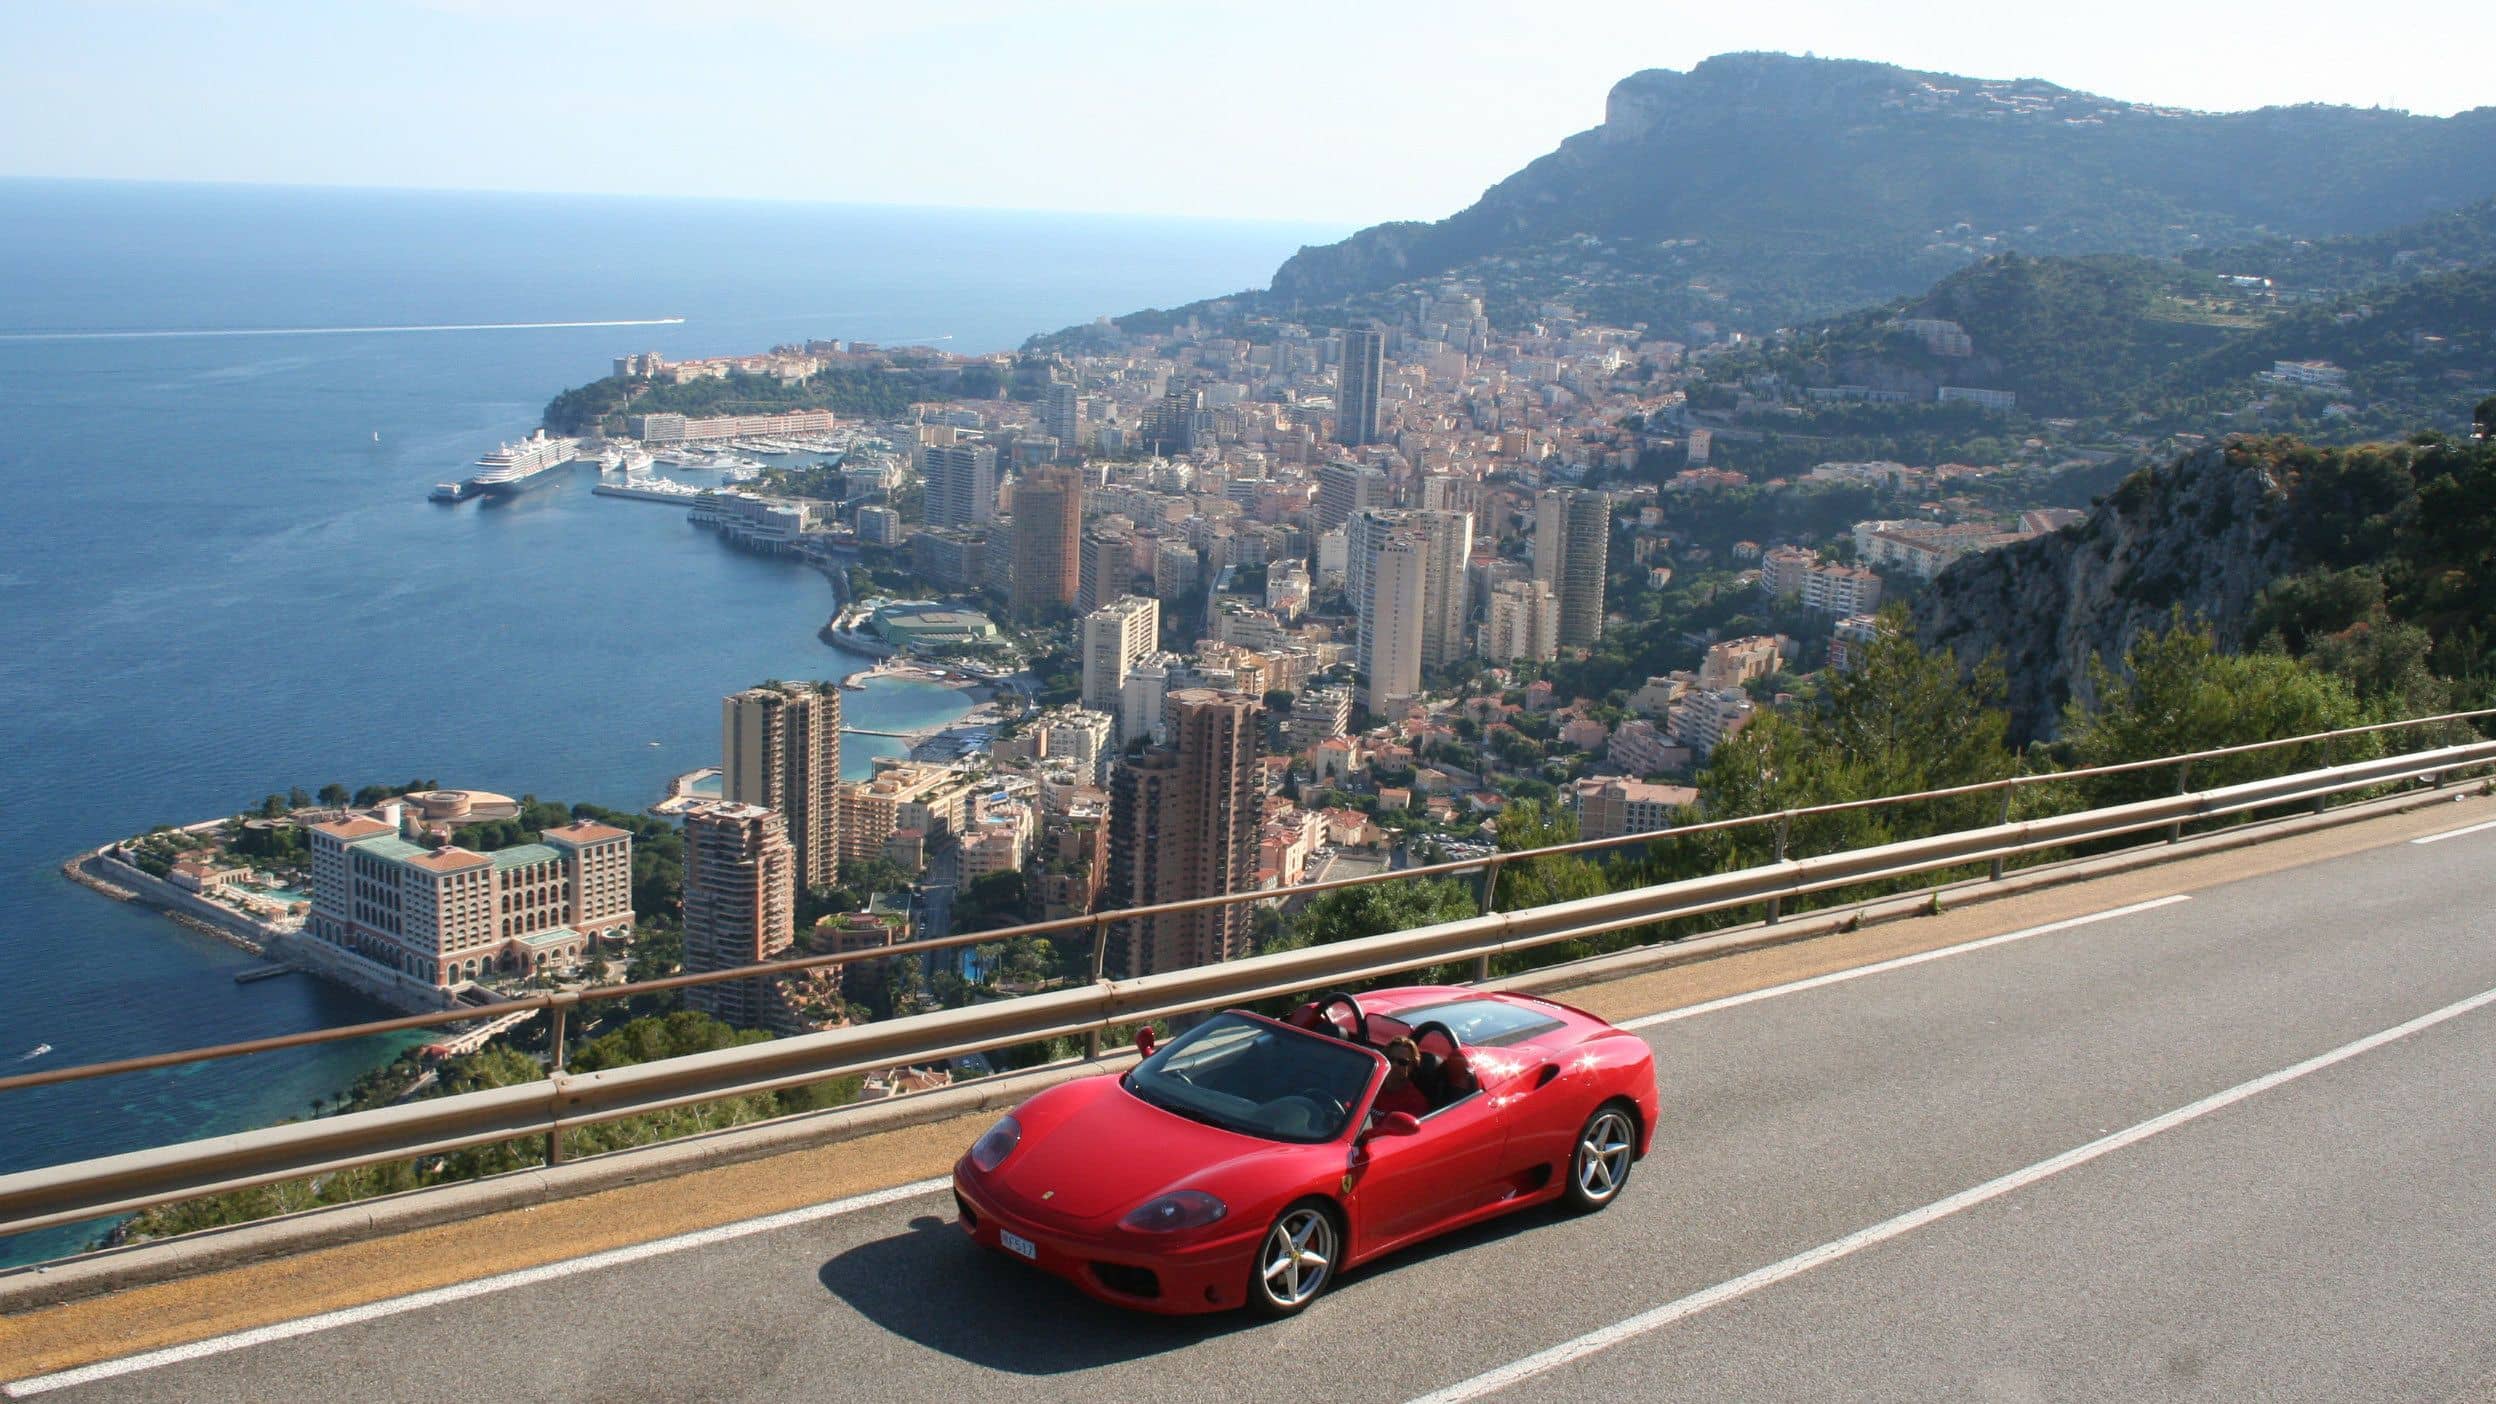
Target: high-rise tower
x,y
1363,375
1048,533
1183,824
961,484
780,747
740,905
1572,543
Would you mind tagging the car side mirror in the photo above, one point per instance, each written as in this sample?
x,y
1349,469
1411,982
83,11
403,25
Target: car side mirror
x,y
1397,1124
1144,1041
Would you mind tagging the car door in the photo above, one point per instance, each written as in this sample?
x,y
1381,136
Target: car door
x,y
1533,1088
1405,1185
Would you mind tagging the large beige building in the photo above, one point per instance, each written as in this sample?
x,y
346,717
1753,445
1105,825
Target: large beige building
x,y
1116,637
780,747
448,916
740,905
928,799
1611,807
1523,625
1184,823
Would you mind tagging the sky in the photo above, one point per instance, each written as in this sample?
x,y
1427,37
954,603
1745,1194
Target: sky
x,y
1345,111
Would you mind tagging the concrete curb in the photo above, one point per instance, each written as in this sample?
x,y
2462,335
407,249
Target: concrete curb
x,y
117,1269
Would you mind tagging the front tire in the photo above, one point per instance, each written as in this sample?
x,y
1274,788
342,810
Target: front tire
x,y
1607,1146
1295,1260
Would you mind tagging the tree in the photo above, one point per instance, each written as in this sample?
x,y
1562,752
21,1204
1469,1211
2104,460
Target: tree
x,y
334,795
297,798
1348,913
2177,693
1903,721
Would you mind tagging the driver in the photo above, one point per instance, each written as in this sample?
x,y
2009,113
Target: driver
x,y
1397,1093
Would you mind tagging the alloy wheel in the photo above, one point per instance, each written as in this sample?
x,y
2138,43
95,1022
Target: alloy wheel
x,y
1604,1152
1298,1258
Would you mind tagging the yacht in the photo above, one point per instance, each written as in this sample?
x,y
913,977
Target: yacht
x,y
532,462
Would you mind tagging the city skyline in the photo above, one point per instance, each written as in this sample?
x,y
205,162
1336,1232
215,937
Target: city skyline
x,y
422,107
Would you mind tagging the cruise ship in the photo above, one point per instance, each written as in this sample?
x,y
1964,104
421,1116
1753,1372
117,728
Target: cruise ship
x,y
532,462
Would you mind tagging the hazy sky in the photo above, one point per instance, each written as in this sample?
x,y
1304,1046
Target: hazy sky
x,y
1336,111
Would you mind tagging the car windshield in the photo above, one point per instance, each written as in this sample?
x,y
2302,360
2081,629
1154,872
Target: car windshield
x,y
1257,1078
1482,1023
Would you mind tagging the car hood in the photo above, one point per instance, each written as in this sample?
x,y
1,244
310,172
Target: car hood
x,y
1092,1149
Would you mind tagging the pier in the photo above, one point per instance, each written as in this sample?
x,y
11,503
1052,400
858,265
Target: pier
x,y
266,972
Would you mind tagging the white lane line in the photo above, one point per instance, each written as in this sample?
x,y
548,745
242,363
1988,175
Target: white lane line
x,y
461,1291
1901,963
2457,833
1542,1362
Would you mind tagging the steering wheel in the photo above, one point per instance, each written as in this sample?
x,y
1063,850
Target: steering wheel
x,y
1360,1021
1319,1097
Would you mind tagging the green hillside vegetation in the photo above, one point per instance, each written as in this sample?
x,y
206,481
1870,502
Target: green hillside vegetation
x,y
863,392
643,1040
2127,347
2462,238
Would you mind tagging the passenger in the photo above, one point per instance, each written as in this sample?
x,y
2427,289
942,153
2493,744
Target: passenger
x,y
1398,1093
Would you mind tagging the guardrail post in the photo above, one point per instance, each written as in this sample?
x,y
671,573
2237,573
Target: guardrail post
x,y
559,1007
1785,831
2183,785
554,1040
2004,819
1490,895
1100,970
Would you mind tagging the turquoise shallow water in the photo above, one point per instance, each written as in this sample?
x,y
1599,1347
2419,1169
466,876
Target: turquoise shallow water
x,y
220,582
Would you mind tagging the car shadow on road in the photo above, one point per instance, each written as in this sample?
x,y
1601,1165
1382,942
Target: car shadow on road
x,y
931,1285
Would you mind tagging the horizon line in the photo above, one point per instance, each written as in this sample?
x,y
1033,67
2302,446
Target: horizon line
x,y
1347,225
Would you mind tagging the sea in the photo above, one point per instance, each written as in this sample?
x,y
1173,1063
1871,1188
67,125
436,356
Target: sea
x,y
221,408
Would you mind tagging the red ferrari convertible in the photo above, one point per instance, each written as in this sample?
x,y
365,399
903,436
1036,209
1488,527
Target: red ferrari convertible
x,y
1248,1160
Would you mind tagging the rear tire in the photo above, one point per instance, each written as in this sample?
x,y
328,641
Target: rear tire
x,y
1296,1260
1599,1162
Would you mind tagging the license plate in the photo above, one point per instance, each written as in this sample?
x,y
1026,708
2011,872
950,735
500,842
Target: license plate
x,y
1016,1243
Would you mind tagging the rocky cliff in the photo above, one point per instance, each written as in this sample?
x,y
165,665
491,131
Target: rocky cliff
x,y
2206,534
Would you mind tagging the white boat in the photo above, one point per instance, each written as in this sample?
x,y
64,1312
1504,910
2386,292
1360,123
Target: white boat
x,y
529,463
610,459
35,1052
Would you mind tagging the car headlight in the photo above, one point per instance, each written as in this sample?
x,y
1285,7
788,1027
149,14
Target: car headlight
x,y
1181,1209
991,1149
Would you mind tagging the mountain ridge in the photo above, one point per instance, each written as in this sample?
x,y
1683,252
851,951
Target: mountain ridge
x,y
1870,180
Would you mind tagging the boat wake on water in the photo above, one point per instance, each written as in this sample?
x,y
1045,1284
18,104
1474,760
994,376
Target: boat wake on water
x,y
331,331
35,1052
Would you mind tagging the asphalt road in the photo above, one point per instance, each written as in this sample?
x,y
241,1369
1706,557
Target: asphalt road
x,y
2332,1236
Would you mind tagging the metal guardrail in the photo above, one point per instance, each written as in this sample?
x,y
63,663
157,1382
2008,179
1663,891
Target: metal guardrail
x,y
112,1184
559,1004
